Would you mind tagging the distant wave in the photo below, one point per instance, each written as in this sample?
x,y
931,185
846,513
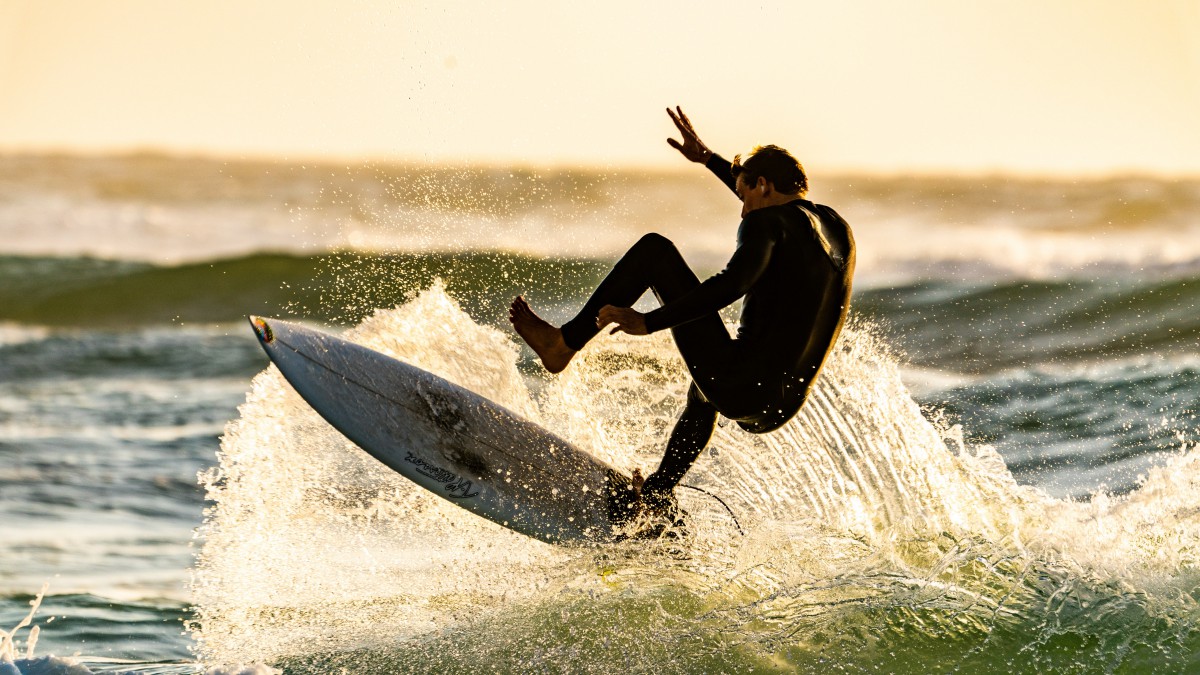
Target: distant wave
x,y
177,210
972,327
339,287
962,327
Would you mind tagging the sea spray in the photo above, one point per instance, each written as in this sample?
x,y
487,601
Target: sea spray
x,y
859,456
875,538
305,522
8,641
13,663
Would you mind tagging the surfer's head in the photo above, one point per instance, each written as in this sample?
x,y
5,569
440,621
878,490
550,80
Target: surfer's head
x,y
774,164
766,176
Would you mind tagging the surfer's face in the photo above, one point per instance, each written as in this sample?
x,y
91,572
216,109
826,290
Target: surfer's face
x,y
752,196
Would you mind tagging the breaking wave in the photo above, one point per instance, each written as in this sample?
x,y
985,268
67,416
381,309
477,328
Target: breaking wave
x,y
876,537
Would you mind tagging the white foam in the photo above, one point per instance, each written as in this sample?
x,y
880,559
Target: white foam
x,y
242,669
14,333
8,648
46,665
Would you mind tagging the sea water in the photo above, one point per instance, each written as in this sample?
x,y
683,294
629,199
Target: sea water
x,y
995,472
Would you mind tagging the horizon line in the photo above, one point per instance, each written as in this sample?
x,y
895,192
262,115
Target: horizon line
x,y
395,160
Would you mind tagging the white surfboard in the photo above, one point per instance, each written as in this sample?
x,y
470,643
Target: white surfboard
x,y
449,440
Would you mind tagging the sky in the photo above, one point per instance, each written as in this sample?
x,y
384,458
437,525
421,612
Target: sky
x,y
1020,86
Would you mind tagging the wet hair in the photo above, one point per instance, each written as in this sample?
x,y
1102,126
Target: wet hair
x,y
776,165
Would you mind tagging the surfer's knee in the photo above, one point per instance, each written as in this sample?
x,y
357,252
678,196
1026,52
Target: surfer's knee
x,y
655,242
698,407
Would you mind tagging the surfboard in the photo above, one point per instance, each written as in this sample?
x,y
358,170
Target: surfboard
x,y
451,441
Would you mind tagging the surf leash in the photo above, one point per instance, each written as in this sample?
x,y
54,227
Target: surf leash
x,y
722,502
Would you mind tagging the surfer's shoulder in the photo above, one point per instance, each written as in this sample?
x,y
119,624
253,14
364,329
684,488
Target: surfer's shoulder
x,y
765,218
833,231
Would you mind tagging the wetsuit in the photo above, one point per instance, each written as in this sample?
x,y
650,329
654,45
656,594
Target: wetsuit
x,y
793,267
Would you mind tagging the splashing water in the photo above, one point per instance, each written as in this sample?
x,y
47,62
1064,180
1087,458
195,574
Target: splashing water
x,y
8,641
876,538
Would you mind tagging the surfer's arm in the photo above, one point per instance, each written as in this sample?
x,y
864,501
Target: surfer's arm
x,y
721,169
756,238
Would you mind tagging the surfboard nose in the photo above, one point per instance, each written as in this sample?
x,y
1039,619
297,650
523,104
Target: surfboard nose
x,y
262,329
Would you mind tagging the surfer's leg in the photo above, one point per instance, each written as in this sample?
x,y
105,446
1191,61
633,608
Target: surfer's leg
x,y
653,263
689,437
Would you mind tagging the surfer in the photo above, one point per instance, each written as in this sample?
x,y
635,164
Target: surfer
x,y
792,268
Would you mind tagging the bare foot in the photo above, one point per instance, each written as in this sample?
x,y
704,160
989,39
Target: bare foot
x,y
544,339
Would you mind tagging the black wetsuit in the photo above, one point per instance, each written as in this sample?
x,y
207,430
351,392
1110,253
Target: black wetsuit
x,y
793,265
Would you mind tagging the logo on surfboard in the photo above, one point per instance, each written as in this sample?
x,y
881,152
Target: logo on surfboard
x,y
457,487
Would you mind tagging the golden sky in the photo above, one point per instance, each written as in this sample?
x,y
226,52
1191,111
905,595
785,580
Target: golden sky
x,y
1040,86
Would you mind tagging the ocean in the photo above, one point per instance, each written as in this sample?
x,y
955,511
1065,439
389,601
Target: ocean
x,y
997,471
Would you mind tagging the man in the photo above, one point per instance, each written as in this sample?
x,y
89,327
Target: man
x,y
792,268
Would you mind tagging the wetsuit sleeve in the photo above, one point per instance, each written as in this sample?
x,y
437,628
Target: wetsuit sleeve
x,y
755,242
720,168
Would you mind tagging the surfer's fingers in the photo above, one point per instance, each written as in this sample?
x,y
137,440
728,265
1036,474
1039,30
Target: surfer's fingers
x,y
683,126
686,122
605,319
621,327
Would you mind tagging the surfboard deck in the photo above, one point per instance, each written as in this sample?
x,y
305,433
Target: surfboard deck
x,y
451,441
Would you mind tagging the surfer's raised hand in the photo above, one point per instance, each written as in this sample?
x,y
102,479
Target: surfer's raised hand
x,y
628,320
692,147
